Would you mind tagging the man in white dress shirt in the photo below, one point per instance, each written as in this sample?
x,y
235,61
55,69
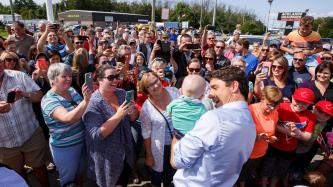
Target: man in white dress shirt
x,y
213,153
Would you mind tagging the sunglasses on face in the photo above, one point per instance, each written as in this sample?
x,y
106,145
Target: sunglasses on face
x,y
277,67
264,50
299,59
271,105
326,58
218,47
79,42
197,70
11,59
208,58
112,77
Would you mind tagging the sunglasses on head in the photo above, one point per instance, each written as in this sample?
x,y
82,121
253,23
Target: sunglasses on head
x,y
326,58
11,59
299,59
197,70
112,77
278,67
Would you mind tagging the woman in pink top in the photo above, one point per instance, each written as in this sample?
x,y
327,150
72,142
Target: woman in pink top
x,y
265,117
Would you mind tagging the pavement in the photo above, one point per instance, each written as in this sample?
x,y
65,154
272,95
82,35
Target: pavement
x,y
53,176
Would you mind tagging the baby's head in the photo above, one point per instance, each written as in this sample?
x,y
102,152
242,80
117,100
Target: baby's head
x,y
193,86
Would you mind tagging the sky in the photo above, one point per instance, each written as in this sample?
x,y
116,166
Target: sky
x,y
317,8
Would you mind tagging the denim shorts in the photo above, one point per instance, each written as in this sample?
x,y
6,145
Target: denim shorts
x,y
69,161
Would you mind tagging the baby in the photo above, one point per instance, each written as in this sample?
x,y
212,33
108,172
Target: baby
x,y
188,108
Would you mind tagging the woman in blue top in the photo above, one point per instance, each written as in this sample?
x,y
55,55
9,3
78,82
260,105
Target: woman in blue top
x,y
278,77
108,132
62,109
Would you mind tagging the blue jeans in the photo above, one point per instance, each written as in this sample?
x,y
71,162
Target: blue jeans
x,y
69,161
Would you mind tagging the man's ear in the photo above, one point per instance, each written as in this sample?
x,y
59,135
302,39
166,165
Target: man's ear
x,y
235,87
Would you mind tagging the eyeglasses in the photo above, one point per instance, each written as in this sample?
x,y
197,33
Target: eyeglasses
x,y
278,67
271,105
299,59
11,59
264,50
112,77
211,38
80,42
197,70
207,58
326,58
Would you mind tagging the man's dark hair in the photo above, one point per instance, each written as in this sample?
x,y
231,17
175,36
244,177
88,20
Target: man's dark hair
x,y
243,42
18,23
185,36
229,74
307,20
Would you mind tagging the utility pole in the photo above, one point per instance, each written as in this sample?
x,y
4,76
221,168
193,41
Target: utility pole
x,y
201,14
12,9
49,11
153,12
269,12
214,13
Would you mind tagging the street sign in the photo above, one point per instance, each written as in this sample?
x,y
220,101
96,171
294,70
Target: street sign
x,y
290,16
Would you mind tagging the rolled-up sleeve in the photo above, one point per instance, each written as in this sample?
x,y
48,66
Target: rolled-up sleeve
x,y
145,120
93,120
192,146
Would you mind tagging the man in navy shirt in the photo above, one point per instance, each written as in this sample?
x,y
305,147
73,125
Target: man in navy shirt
x,y
242,49
298,72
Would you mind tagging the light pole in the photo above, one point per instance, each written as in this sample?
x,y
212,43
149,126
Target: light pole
x,y
49,11
153,12
214,13
201,14
269,12
12,9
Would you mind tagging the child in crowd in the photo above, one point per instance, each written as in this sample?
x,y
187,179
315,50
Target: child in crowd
x,y
188,108
313,179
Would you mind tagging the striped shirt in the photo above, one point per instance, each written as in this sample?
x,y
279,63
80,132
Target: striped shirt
x,y
17,125
61,134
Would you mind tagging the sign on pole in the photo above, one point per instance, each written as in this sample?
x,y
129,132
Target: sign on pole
x,y
165,13
290,16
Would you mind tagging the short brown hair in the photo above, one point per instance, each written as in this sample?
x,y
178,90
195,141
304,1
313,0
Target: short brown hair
x,y
143,84
314,179
307,20
231,73
243,42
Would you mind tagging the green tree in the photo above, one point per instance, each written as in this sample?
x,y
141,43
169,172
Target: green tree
x,y
4,9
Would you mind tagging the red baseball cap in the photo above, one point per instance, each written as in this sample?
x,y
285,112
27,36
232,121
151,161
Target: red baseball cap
x,y
305,95
325,106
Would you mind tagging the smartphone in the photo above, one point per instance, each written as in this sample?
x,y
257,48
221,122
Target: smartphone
x,y
55,26
83,38
11,97
265,70
210,27
129,96
193,46
42,64
300,125
89,81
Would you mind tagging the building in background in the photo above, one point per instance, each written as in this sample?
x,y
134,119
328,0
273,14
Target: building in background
x,y
99,18
7,18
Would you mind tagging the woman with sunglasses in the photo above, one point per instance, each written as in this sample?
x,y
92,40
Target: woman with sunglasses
x,y
209,63
62,109
278,76
322,86
157,128
108,131
326,57
11,61
265,117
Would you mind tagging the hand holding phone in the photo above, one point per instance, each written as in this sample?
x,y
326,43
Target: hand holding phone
x,y
265,70
129,96
89,81
11,97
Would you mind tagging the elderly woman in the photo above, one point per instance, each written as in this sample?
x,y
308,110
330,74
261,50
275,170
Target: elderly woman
x,y
62,109
157,127
108,133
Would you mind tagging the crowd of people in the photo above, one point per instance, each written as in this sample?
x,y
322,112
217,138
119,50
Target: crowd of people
x,y
206,111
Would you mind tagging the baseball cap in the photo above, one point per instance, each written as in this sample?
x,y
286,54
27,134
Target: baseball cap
x,y
327,47
325,106
305,95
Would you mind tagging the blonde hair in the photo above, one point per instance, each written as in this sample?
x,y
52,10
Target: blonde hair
x,y
12,55
80,60
315,179
143,84
272,94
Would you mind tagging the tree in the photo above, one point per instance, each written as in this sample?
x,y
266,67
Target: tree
x,y
4,9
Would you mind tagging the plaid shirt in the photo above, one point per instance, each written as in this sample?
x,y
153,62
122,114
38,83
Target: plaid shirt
x,y
18,125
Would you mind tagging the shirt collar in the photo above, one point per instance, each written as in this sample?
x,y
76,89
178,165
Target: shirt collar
x,y
236,104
